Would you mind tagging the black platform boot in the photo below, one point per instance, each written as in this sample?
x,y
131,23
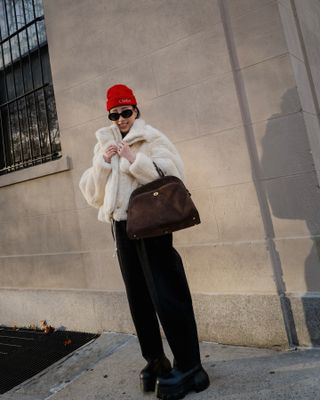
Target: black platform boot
x,y
154,369
176,384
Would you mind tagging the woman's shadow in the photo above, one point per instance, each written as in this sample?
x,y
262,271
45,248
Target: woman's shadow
x,y
293,194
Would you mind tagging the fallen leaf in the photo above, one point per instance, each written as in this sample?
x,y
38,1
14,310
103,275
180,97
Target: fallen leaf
x,y
45,327
67,342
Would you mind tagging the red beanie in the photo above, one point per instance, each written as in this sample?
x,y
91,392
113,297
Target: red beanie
x,y
119,95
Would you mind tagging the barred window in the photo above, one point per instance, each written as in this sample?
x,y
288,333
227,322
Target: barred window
x,y
28,120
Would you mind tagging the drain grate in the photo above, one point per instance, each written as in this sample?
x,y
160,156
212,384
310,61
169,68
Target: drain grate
x,y
26,352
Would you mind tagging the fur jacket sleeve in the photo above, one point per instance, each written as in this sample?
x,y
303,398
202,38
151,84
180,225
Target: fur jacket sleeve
x,y
93,180
161,151
108,186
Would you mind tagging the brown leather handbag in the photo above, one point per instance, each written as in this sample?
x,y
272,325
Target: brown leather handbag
x,y
160,207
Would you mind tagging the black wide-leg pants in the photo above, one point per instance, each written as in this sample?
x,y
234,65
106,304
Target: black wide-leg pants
x,y
156,284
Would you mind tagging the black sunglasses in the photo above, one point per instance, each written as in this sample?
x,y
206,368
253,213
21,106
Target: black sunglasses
x,y
124,114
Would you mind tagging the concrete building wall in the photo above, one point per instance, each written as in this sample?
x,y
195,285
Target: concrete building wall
x,y
225,80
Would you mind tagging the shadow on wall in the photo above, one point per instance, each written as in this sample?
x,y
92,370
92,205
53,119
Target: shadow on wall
x,y
295,196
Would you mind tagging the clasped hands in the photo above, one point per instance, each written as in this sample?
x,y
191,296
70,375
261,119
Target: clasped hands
x,y
122,149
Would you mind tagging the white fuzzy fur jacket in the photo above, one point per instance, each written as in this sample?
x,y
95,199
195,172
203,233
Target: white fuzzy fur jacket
x,y
108,186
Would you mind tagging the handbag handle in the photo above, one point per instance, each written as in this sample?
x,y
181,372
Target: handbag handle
x,y
160,172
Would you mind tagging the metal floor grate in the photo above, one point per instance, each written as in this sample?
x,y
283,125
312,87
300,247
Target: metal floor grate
x,y
26,352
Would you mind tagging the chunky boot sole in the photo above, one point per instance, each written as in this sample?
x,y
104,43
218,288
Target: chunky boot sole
x,y
148,385
198,382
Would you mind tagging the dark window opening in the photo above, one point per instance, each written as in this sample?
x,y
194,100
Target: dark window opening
x,y
28,119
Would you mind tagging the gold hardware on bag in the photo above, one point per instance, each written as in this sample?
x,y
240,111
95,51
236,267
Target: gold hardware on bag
x,y
155,193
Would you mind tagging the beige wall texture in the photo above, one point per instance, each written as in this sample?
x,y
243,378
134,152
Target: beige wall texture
x,y
235,84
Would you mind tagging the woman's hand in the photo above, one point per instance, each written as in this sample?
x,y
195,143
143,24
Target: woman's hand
x,y
110,152
125,151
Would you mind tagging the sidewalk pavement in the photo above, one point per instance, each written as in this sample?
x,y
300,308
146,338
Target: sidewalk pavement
x,y
108,368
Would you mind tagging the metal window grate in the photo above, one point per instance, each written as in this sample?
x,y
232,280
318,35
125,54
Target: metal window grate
x,y
28,120
26,352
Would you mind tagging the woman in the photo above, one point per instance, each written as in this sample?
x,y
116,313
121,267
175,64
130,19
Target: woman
x,y
152,269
